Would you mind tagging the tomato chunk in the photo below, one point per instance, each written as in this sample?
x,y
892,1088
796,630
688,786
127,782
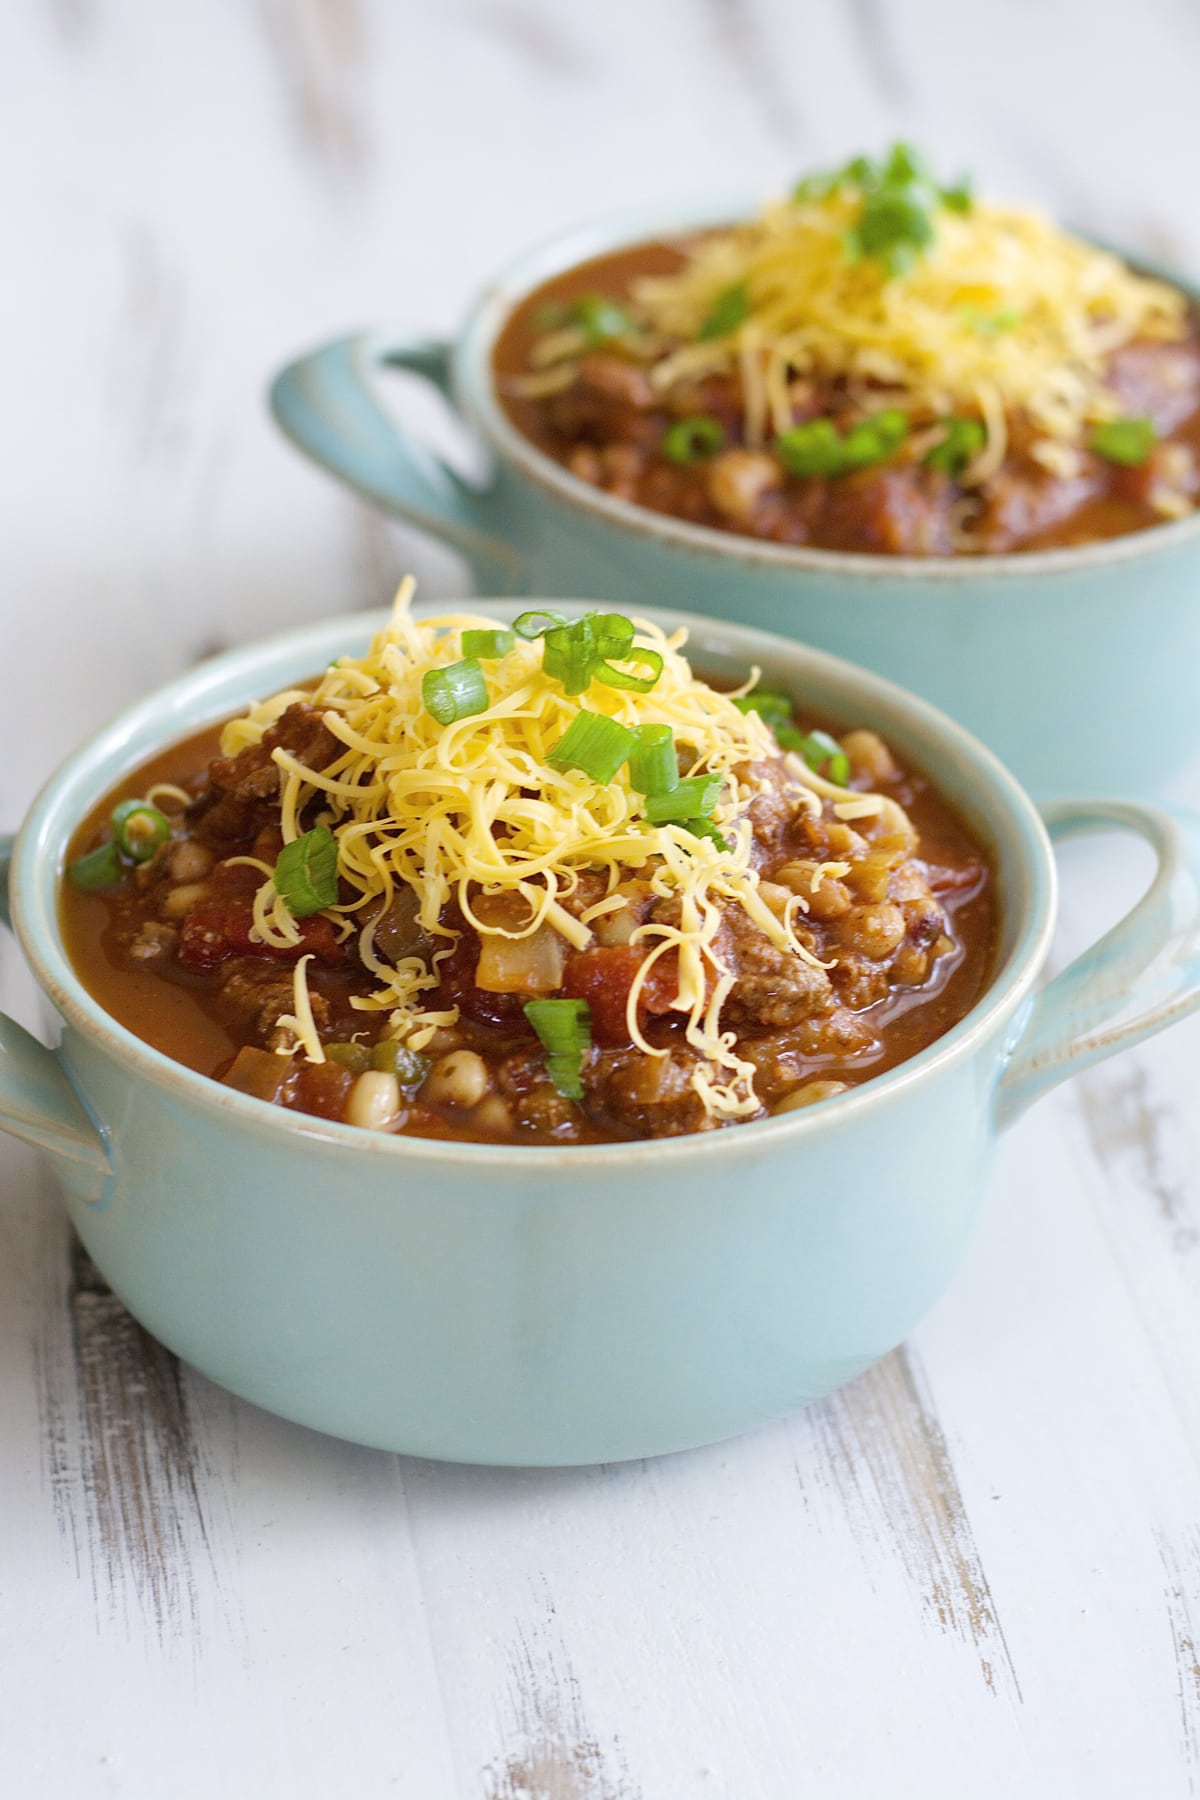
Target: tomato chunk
x,y
214,931
603,977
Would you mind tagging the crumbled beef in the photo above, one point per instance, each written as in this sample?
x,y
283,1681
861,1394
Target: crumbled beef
x,y
243,791
1158,380
1026,501
651,1096
533,1102
152,940
771,986
901,511
262,995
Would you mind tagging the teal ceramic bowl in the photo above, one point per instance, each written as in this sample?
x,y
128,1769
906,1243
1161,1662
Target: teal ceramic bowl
x,y
1076,666
575,1304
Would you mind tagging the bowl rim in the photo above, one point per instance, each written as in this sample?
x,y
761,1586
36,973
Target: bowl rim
x,y
475,391
201,696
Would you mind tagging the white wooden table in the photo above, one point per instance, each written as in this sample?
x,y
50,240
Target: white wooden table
x,y
974,1573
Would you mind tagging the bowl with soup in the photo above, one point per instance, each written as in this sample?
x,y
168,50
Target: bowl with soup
x,y
548,1035
941,436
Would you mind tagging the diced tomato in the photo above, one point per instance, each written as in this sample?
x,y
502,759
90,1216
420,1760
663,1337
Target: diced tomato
x,y
211,933
603,977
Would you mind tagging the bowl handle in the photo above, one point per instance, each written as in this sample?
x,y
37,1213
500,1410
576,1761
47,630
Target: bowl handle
x,y
1139,977
37,1101
329,404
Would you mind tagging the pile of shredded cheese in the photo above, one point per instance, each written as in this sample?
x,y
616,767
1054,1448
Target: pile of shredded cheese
x,y
1004,314
473,807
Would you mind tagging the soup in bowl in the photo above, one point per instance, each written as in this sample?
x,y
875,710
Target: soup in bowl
x,y
965,456
585,1270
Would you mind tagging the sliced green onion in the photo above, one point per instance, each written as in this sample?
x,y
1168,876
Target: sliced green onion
x,y
890,426
772,706
958,199
306,872
706,828
962,443
613,633
593,743
817,748
98,869
1127,441
653,764
532,625
139,829
349,1055
620,678
456,692
990,325
408,1066
601,319
488,646
564,1028
810,449
690,440
569,654
690,799
729,310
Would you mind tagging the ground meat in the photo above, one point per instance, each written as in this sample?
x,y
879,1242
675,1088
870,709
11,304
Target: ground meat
x,y
1158,381
650,1096
262,995
1026,501
534,1104
783,1059
152,940
902,511
243,790
771,986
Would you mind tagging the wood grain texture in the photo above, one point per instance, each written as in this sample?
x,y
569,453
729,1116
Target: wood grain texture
x,y
976,1571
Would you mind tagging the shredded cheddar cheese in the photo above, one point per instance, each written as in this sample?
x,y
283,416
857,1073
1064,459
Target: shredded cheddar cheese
x,y
456,812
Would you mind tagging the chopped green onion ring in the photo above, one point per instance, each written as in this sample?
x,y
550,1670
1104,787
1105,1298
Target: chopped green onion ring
x,y
594,744
689,799
306,872
100,868
817,748
532,625
963,441
706,828
653,763
600,318
488,646
456,692
620,678
138,829
564,1028
773,707
729,310
1127,441
692,439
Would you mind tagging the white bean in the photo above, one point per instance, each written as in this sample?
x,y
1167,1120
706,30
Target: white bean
x,y
460,1079
179,900
374,1100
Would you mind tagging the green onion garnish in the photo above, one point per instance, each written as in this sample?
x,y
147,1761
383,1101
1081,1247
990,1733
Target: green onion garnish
x,y
139,829
899,200
990,325
772,706
408,1066
817,447
306,872
600,318
620,678
456,692
705,828
729,310
690,440
569,654
532,625
962,443
565,1030
818,749
1127,441
653,764
594,744
488,646
690,799
98,869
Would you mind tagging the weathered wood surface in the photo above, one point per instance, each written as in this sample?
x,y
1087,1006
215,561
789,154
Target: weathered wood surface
x,y
976,1572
